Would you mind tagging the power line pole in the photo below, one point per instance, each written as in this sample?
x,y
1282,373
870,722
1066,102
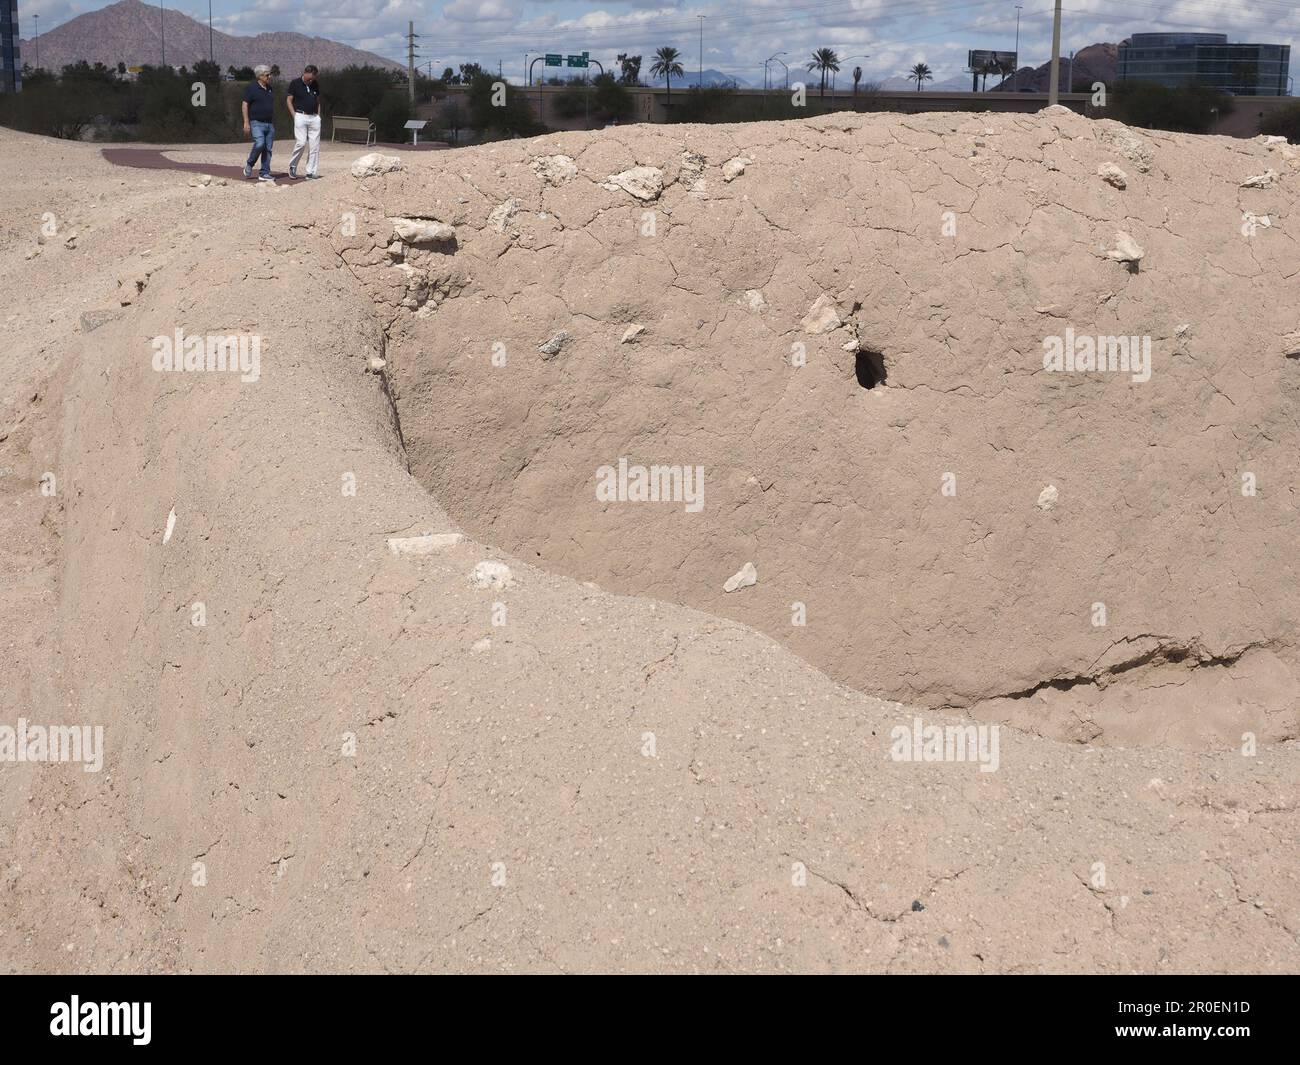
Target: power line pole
x,y
162,31
38,41
211,57
1054,86
410,60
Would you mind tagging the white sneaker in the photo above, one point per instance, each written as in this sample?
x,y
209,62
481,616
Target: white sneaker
x,y
248,171
266,177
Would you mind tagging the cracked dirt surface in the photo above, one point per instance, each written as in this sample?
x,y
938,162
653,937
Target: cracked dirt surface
x,y
373,776
951,245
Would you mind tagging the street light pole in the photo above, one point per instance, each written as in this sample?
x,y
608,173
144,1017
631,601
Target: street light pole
x,y
1018,6
162,31
37,42
1054,85
211,58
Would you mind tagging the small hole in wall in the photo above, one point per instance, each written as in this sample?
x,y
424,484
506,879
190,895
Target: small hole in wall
x,y
870,368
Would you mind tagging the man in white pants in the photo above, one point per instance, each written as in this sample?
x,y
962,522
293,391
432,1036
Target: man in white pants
x,y
304,105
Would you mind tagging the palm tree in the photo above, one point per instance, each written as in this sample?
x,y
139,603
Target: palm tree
x,y
920,73
824,59
667,63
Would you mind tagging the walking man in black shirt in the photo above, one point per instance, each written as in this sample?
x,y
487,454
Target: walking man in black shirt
x,y
259,120
304,105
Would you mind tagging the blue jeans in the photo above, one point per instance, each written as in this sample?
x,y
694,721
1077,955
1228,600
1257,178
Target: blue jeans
x,y
263,139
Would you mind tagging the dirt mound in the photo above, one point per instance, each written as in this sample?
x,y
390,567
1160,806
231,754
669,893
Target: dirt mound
x,y
343,733
841,328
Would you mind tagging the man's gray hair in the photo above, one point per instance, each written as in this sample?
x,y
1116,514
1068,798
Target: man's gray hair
x,y
261,69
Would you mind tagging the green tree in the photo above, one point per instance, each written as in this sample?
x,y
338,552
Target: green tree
x,y
452,117
506,112
667,64
207,71
825,60
629,69
356,90
921,73
391,115
610,100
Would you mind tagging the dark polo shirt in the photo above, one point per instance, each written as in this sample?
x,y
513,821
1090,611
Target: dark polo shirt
x,y
306,98
261,103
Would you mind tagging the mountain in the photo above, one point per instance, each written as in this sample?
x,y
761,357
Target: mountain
x,y
961,83
128,32
1094,63
692,77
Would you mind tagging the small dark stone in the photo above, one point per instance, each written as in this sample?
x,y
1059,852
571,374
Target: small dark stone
x,y
943,942
1147,891
916,906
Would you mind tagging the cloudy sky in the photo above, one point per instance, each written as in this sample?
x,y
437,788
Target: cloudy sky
x,y
738,35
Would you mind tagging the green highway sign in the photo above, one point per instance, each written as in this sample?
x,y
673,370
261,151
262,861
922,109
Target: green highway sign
x,y
554,60
577,60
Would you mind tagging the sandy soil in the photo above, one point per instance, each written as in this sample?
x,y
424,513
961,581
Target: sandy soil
x,y
371,761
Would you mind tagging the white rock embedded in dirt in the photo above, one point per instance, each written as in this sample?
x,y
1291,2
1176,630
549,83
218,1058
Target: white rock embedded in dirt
x,y
1261,181
502,215
423,231
1112,175
1250,220
376,364
631,333
375,163
423,545
1047,498
1126,250
555,169
490,574
745,577
822,316
550,348
171,525
733,168
643,182
753,299
1126,143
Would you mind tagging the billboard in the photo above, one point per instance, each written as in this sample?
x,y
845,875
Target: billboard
x,y
986,61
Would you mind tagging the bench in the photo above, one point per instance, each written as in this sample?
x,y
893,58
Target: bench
x,y
348,124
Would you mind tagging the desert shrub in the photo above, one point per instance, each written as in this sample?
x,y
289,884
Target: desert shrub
x,y
1190,109
1284,122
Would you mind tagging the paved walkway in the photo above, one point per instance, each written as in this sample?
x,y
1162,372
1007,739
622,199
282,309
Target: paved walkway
x,y
155,159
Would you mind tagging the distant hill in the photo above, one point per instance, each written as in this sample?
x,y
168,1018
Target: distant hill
x,y
961,83
1094,63
693,77
130,32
